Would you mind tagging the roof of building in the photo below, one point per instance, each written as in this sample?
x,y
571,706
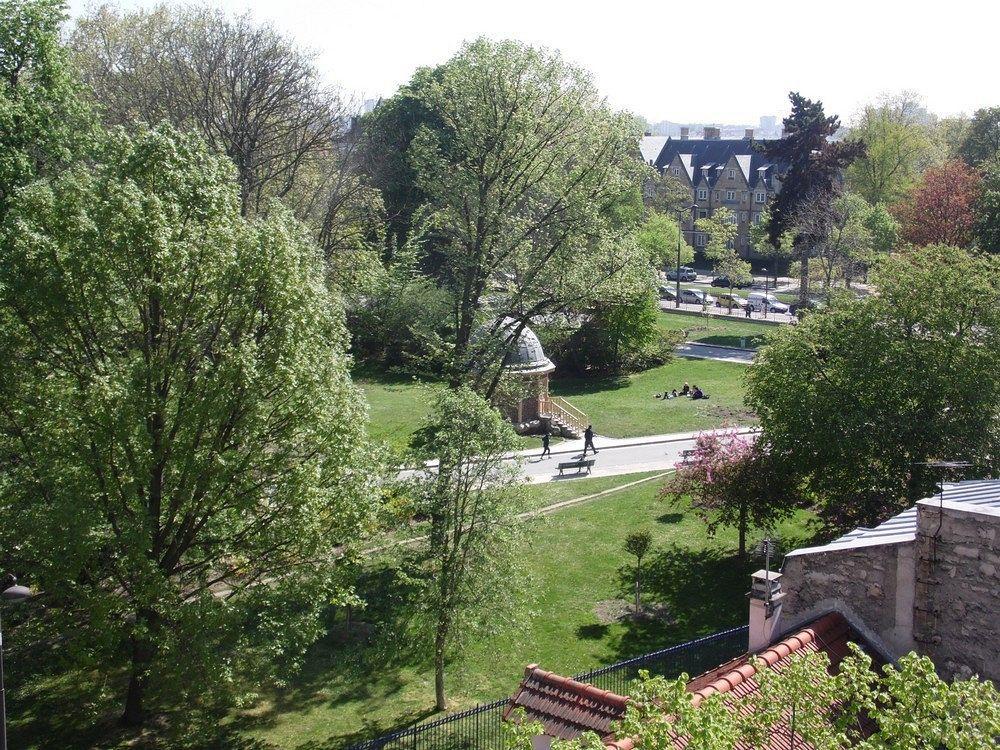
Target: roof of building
x,y
650,146
704,160
567,708
973,495
526,355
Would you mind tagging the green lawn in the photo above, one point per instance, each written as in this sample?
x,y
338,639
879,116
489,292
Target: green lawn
x,y
626,407
721,331
397,405
349,692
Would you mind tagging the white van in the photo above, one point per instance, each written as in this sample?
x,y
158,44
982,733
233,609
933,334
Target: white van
x,y
759,302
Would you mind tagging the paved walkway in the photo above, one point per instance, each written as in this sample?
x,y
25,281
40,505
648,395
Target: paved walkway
x,y
615,456
718,353
723,312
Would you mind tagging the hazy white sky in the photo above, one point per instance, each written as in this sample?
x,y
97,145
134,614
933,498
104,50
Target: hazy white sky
x,y
716,60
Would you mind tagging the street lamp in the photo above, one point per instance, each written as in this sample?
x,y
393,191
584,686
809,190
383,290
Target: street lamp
x,y
764,301
13,593
680,234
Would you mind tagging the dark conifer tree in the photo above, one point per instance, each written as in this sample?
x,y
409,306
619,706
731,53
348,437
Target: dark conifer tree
x,y
814,165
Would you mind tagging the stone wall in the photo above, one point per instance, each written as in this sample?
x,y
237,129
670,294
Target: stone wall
x,y
957,607
860,583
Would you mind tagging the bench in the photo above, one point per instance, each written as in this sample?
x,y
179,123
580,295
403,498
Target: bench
x,y
583,463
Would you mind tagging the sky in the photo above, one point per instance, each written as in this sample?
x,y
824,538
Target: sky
x,y
712,61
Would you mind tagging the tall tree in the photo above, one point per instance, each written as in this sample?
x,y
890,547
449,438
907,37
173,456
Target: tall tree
x,y
982,137
534,185
178,430
898,147
854,400
253,95
941,208
470,567
813,165
987,209
43,123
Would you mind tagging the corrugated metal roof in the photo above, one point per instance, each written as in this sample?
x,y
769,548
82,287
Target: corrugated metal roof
x,y
901,528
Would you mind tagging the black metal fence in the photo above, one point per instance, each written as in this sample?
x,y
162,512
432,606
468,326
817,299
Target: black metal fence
x,y
481,728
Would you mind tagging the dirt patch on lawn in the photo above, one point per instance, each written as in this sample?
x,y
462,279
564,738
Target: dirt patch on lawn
x,y
610,611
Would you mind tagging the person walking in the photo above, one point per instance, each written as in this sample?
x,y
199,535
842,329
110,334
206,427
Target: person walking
x,y
588,440
546,451
748,309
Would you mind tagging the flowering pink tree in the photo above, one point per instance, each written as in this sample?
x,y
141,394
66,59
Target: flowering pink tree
x,y
733,480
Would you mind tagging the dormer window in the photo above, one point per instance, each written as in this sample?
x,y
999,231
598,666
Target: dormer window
x,y
702,194
761,197
732,174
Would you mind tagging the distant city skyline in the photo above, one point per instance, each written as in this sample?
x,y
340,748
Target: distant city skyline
x,y
845,56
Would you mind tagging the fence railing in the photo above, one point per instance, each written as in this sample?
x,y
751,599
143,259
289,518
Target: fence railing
x,y
569,415
481,728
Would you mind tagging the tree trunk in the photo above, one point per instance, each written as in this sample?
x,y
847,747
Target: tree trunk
x,y
134,713
439,642
743,532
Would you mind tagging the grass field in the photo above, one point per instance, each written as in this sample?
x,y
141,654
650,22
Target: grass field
x,y
349,692
710,329
397,405
626,407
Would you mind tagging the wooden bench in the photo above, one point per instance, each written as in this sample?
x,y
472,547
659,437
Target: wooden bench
x,y
583,463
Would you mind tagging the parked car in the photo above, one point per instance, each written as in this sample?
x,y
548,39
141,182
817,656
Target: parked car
x,y
759,302
666,293
696,297
686,274
810,305
730,300
723,281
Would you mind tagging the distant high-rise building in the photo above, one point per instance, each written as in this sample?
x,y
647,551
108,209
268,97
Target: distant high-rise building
x,y
768,123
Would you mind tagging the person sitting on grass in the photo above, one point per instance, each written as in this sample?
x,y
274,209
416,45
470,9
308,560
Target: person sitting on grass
x,y
686,390
697,393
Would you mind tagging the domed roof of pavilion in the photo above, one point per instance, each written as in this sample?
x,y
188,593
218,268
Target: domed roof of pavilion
x,y
525,356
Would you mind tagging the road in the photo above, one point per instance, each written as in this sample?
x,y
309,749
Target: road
x,y
722,312
718,353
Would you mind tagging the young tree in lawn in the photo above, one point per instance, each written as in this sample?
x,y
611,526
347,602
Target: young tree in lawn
x,y
471,566
637,544
898,147
183,448
987,209
535,190
814,165
940,211
720,249
853,401
659,236
732,480
981,141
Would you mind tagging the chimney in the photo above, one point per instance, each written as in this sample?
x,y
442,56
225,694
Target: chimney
x,y
765,609
748,134
685,133
712,134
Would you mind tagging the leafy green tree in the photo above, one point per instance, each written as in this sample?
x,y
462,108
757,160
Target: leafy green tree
x,y
43,123
534,189
178,430
898,147
982,137
471,567
720,249
659,236
852,401
987,209
637,544
814,164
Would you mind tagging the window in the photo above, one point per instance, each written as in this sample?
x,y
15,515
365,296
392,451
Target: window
x,y
702,214
745,196
761,197
732,174
756,218
743,216
699,240
677,171
730,195
716,195
702,194
733,218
